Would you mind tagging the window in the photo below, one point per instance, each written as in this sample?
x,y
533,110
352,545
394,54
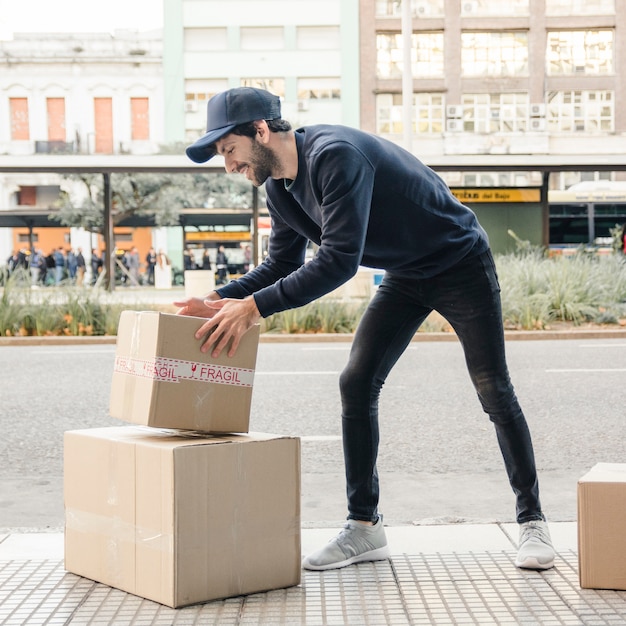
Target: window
x,y
427,113
482,8
275,85
419,8
139,119
426,55
19,119
579,52
268,38
27,196
580,7
318,38
564,180
495,112
581,111
205,39
55,109
501,179
494,54
319,88
389,114
103,114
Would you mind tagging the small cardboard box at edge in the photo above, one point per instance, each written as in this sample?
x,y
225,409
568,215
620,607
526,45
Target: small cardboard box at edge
x,y
162,379
602,526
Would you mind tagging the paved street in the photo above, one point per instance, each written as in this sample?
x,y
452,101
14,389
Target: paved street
x,y
438,462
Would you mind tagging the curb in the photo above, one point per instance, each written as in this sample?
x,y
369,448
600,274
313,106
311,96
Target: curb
x,y
510,335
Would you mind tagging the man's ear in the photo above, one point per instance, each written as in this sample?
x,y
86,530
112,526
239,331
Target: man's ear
x,y
262,131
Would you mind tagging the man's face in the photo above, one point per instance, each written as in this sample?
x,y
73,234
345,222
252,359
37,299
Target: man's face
x,y
247,156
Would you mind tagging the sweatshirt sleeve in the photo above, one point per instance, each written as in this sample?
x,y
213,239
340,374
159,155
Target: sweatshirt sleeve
x,y
336,195
290,254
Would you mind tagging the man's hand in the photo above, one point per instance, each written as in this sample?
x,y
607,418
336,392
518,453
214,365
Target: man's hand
x,y
229,319
196,307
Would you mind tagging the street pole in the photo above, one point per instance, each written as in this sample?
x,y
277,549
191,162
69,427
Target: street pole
x,y
109,237
407,76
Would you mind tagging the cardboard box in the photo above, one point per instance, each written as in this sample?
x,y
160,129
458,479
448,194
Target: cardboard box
x,y
162,379
182,519
602,527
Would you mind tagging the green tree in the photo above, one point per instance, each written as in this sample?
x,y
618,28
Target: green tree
x,y
159,195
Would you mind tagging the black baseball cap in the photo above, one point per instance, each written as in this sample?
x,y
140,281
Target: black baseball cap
x,y
228,109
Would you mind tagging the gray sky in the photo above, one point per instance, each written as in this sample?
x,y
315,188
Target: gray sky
x,y
78,15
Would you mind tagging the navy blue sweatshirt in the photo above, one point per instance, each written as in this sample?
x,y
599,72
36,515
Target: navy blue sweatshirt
x,y
364,201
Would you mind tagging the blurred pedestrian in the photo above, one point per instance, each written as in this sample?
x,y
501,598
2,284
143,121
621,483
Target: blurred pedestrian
x,y
133,266
59,265
12,261
221,264
150,264
96,265
48,272
188,260
80,267
206,260
72,265
36,263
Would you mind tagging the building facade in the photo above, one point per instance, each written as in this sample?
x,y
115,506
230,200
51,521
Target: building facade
x,y
525,77
81,94
490,77
90,93
305,52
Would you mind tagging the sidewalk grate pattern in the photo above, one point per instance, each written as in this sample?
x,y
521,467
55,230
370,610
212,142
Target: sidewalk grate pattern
x,y
435,589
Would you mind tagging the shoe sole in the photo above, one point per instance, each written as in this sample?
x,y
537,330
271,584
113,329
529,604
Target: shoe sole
x,y
380,554
534,564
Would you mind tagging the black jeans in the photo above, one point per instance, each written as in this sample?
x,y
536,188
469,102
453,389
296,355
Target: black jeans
x,y
468,296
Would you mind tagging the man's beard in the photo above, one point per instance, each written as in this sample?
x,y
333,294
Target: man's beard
x,y
263,162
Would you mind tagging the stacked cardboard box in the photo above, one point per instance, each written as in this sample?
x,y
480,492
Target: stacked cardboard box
x,y
601,527
184,505
162,379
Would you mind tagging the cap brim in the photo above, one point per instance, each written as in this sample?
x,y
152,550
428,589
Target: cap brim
x,y
204,149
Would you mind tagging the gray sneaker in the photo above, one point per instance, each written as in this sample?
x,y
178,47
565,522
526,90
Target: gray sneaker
x,y
356,543
535,549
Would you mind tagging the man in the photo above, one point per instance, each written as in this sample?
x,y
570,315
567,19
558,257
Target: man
x,y
133,266
188,260
72,265
37,264
80,267
59,265
150,264
221,264
365,201
13,261
96,265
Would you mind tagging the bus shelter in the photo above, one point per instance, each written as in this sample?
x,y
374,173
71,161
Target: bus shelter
x,y
492,205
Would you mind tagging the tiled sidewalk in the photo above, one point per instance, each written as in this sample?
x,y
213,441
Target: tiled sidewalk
x,y
449,574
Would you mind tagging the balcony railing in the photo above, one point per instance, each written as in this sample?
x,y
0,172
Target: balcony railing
x,y
54,147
